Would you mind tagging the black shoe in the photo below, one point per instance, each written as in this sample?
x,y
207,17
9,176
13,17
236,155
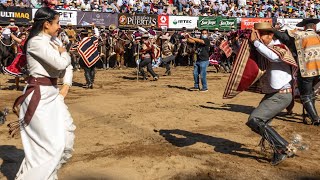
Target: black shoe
x,y
91,86
278,158
156,78
316,123
167,73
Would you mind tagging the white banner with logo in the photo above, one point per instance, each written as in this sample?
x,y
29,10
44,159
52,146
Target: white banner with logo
x,y
288,24
178,22
66,17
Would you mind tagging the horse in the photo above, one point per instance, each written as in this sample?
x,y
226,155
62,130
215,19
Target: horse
x,y
124,40
7,52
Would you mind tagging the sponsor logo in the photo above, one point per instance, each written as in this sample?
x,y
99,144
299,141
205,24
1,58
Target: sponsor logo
x,y
20,15
227,23
123,19
137,20
208,22
163,19
175,22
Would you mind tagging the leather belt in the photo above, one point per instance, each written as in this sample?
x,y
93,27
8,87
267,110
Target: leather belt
x,y
285,91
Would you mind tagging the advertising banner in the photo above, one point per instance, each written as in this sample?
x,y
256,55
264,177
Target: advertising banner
x,y
207,22
163,21
21,15
178,22
247,23
222,23
98,18
66,17
142,20
227,23
288,23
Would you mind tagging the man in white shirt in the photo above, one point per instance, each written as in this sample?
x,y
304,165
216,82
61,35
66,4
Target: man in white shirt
x,y
276,85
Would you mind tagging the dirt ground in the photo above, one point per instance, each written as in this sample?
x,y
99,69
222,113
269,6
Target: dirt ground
x,y
160,130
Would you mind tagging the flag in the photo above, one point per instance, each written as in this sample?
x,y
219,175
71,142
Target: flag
x,y
88,50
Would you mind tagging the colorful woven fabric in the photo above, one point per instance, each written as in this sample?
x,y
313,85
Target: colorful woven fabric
x,y
224,46
249,67
88,50
308,49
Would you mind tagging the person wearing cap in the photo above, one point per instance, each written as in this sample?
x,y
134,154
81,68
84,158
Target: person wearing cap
x,y
17,67
12,26
151,30
308,49
89,72
147,55
200,66
276,84
167,52
71,33
136,44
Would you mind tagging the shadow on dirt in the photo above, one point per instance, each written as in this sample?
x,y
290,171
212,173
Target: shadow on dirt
x,y
220,145
231,107
12,158
178,87
309,178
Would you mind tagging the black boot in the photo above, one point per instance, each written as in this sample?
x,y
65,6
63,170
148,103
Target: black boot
x,y
278,158
308,104
143,74
167,73
278,144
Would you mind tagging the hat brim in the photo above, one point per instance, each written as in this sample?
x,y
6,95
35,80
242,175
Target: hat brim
x,y
307,21
267,29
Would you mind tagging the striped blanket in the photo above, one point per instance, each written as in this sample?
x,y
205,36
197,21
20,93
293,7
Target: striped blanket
x,y
249,68
88,50
224,46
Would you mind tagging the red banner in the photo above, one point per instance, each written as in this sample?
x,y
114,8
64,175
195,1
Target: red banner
x,y
247,23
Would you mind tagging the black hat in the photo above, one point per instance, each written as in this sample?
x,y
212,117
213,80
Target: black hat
x,y
307,21
84,32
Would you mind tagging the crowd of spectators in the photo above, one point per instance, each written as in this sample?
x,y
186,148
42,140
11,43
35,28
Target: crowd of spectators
x,y
231,8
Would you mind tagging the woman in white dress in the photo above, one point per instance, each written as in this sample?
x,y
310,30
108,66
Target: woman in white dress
x,y
45,122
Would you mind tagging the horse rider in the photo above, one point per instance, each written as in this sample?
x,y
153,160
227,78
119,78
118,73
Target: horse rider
x,y
89,72
167,53
114,34
276,84
308,50
152,31
72,35
146,57
216,34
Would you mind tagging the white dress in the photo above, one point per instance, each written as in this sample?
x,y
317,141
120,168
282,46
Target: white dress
x,y
48,139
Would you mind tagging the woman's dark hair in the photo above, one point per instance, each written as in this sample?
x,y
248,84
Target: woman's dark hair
x,y
22,34
42,15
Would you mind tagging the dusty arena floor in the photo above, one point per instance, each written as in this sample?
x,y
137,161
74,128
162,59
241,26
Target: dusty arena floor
x,y
159,130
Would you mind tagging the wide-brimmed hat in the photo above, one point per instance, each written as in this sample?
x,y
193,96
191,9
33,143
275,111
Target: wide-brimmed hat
x,y
307,21
69,25
165,37
264,26
12,20
145,35
112,27
84,32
